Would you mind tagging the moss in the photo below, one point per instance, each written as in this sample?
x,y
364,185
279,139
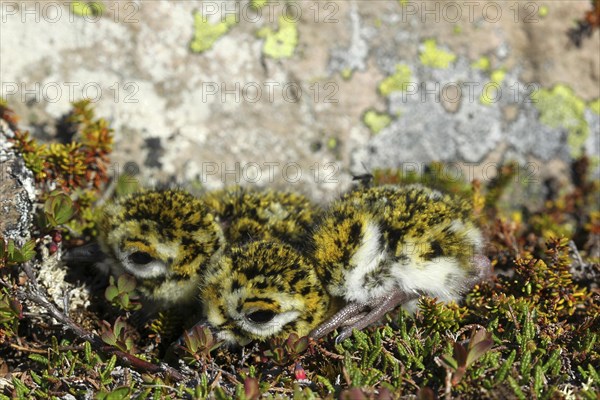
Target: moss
x,y
207,33
560,107
397,82
376,121
87,9
595,106
281,43
483,63
434,57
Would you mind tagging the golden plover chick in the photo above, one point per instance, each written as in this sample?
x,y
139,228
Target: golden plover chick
x,y
164,239
247,215
380,247
262,290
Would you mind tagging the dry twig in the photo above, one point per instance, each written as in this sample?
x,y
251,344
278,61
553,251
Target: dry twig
x,y
33,293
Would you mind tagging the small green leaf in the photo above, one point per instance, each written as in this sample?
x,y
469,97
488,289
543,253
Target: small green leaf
x,y
36,378
87,352
126,283
111,364
62,208
479,350
27,250
124,300
109,337
39,359
301,345
460,353
10,250
121,393
111,292
449,361
251,389
119,326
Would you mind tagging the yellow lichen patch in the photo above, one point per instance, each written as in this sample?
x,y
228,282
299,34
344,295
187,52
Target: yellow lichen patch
x,y
376,121
346,73
397,82
87,9
207,33
595,106
281,43
432,56
483,63
257,4
490,92
560,107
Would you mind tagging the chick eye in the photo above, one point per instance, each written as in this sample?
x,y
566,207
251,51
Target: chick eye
x,y
261,317
140,258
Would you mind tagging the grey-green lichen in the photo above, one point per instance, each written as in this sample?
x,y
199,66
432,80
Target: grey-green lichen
x,y
560,107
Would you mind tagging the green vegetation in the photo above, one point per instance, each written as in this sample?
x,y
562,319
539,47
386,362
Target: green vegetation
x,y
531,332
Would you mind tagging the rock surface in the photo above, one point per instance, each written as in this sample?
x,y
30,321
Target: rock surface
x,y
17,191
214,92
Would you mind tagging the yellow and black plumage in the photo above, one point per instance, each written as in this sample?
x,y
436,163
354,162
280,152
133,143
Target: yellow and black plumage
x,y
261,290
248,215
165,239
383,246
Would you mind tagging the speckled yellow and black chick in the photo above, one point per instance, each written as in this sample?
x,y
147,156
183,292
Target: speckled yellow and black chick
x,y
384,246
262,290
247,215
165,239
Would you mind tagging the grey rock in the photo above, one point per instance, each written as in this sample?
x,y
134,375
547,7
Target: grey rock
x,y
17,190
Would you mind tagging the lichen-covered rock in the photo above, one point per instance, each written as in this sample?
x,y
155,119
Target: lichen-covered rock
x,y
204,91
17,190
